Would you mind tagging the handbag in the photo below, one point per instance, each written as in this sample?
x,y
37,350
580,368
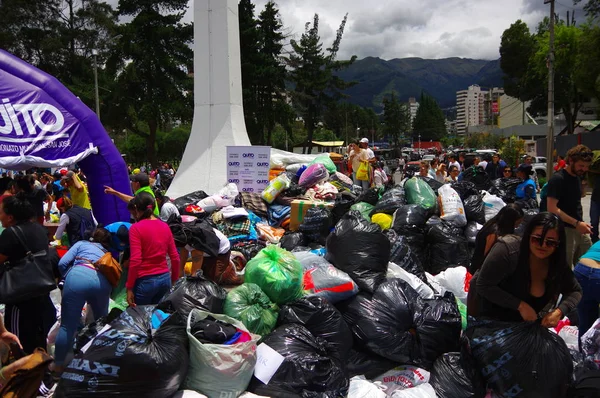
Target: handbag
x,y
110,268
27,278
362,173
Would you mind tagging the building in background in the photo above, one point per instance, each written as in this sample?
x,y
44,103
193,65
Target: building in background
x,y
469,108
413,106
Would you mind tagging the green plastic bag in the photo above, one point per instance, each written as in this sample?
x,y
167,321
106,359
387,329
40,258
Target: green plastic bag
x,y
418,192
250,305
277,272
326,161
218,370
364,209
462,308
119,293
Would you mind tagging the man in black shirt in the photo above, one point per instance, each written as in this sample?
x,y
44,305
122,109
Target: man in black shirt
x,y
564,200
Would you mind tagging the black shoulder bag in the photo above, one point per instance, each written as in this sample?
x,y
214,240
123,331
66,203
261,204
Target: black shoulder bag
x,y
27,278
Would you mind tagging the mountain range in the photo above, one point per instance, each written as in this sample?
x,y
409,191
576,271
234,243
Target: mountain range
x,y
409,77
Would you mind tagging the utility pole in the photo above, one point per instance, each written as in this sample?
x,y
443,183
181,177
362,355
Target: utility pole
x,y
550,135
95,54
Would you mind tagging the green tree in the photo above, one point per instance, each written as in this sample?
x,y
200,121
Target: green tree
x,y
567,95
587,75
250,63
429,121
396,118
311,70
517,48
152,88
271,70
512,150
592,8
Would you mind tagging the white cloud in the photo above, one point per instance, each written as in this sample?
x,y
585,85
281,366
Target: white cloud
x,y
414,28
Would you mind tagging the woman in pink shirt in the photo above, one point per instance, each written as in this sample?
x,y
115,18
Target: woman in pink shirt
x,y
150,240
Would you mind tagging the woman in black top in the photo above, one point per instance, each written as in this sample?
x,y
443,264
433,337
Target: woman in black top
x,y
30,320
503,223
521,280
35,196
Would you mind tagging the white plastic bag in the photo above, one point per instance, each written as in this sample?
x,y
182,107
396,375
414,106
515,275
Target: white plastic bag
x,y
217,369
492,205
570,334
229,192
421,391
395,271
360,387
453,280
188,394
402,378
438,289
451,206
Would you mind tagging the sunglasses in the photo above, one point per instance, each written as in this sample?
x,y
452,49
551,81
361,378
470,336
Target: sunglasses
x,y
537,239
508,171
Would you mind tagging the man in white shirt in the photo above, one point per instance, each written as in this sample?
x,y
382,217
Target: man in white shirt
x,y
364,143
453,162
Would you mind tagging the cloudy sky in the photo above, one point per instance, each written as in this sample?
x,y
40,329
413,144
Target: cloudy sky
x,y
417,28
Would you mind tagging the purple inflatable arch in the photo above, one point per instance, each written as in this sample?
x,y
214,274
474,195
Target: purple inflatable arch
x,y
42,124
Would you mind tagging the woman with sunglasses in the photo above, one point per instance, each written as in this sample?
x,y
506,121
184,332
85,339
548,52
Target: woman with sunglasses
x,y
521,280
507,172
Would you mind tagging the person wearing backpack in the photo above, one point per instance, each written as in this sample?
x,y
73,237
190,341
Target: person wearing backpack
x,y
83,283
78,223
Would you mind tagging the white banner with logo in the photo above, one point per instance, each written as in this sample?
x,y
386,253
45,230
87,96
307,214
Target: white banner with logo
x,y
248,167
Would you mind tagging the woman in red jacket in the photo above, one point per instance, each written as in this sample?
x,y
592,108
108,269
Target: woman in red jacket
x,y
150,240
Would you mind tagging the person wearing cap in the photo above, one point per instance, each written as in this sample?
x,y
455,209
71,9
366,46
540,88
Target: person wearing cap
x,y
527,188
364,144
140,182
77,190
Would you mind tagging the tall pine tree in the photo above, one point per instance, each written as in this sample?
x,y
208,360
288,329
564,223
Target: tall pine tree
x,y
312,72
152,88
396,117
429,122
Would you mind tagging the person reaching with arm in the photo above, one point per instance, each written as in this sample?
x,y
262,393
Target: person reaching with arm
x,y
140,182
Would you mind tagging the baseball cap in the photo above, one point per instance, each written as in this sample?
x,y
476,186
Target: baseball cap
x,y
365,140
63,171
142,178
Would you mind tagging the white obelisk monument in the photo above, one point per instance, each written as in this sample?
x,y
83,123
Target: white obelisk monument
x,y
218,111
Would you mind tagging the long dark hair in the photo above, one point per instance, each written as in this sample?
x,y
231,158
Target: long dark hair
x,y
504,221
102,236
558,259
144,203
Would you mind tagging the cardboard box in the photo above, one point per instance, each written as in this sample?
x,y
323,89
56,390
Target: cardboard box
x,y
299,209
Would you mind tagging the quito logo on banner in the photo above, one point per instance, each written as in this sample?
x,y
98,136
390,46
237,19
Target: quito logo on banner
x,y
248,167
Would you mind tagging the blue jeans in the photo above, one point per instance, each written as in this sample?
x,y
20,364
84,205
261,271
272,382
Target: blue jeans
x,y
82,284
595,218
589,279
150,289
363,184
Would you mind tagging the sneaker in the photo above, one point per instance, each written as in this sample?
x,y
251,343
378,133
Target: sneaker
x,y
48,385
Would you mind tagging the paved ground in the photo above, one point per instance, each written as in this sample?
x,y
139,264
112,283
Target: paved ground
x,y
585,203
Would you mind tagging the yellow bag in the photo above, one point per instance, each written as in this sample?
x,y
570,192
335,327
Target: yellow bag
x,y
383,220
362,173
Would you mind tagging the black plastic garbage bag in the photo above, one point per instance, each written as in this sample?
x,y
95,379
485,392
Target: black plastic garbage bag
x,y
359,248
131,359
440,329
322,320
189,199
291,240
449,378
447,247
309,369
528,214
316,225
192,292
522,359
369,196
248,248
475,209
343,202
367,364
433,183
433,220
414,237
505,188
410,215
390,201
465,189
402,255
384,322
90,331
478,177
